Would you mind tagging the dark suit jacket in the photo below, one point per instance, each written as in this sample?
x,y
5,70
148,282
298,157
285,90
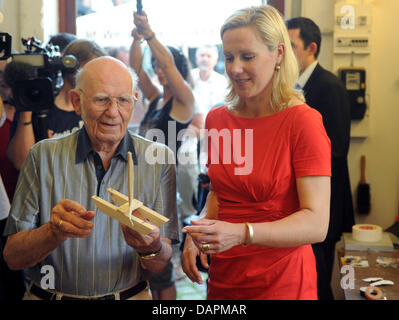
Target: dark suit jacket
x,y
327,94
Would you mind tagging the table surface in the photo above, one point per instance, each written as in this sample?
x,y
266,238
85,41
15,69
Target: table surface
x,y
390,292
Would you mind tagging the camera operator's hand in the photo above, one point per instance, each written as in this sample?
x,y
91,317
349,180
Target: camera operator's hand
x,y
25,117
143,27
24,138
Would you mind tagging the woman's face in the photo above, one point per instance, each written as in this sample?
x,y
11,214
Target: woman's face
x,y
161,76
249,63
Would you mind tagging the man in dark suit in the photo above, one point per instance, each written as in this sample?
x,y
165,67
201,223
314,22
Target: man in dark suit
x,y
327,94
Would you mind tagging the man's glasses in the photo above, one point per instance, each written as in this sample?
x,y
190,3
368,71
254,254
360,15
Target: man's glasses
x,y
103,101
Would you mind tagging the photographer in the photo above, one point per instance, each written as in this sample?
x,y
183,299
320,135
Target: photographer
x,y
61,118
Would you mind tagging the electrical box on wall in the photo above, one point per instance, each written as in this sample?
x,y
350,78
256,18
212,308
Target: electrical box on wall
x,y
352,47
355,83
352,44
352,27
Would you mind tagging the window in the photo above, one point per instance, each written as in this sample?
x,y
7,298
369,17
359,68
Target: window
x,y
182,23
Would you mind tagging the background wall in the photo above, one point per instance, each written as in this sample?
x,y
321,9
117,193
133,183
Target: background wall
x,y
381,144
26,18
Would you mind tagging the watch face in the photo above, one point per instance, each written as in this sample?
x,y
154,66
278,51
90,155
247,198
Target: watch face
x,y
150,255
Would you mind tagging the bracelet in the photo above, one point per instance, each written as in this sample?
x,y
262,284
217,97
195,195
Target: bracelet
x,y
150,255
251,235
27,123
150,37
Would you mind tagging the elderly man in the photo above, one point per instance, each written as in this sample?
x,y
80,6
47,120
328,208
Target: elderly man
x,y
72,251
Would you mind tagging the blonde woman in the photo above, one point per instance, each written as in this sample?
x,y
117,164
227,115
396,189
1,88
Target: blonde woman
x,y
258,225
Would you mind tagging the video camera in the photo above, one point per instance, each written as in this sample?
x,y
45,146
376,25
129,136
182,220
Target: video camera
x,y
35,77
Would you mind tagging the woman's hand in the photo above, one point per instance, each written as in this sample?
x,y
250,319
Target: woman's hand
x,y
189,260
213,236
142,25
136,35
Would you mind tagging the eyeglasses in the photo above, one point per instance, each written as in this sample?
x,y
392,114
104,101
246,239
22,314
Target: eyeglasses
x,y
103,101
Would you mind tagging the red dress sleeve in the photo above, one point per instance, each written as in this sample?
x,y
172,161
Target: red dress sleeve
x,y
311,147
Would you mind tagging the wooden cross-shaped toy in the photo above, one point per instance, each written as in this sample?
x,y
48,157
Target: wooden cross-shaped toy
x,y
127,205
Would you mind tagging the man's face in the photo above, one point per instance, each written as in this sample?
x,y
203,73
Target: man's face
x,y
206,59
104,103
298,46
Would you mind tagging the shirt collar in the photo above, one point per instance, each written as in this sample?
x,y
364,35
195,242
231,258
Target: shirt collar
x,y
83,147
305,75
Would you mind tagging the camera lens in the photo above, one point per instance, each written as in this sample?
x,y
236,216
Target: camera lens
x,y
70,62
34,95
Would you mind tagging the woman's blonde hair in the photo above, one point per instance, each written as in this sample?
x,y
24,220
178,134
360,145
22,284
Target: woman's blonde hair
x,y
271,29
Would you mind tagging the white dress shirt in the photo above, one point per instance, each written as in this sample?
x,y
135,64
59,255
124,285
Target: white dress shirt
x,y
209,93
305,75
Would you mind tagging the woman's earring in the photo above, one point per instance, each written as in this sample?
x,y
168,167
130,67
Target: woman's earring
x,y
277,68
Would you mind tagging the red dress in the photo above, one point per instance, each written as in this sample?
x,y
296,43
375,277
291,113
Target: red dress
x,y
286,145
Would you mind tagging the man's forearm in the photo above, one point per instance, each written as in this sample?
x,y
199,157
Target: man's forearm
x,y
29,247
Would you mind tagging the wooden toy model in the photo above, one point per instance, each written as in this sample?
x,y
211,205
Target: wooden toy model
x,y
127,205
